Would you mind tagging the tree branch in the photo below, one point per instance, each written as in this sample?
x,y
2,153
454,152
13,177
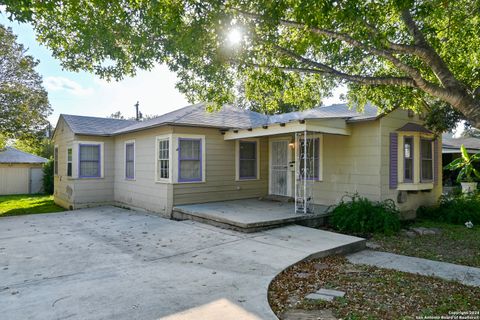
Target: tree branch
x,y
428,54
324,69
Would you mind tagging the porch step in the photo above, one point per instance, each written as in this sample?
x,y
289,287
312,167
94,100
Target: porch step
x,y
248,215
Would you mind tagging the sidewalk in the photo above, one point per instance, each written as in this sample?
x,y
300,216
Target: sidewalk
x,y
449,271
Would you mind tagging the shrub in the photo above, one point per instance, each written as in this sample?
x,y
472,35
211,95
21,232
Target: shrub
x,y
456,209
359,215
48,177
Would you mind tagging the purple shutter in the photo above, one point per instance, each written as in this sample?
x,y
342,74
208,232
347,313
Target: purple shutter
x,y
393,160
436,157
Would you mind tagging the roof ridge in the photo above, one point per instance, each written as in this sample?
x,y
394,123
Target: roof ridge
x,y
91,117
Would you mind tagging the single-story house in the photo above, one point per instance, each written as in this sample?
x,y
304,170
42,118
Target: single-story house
x,y
20,172
193,156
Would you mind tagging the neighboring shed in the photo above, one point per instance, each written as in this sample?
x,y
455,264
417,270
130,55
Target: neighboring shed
x,y
20,172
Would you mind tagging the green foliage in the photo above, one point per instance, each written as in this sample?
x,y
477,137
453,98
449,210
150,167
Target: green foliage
x,y
48,178
34,144
465,163
291,53
361,216
456,209
24,105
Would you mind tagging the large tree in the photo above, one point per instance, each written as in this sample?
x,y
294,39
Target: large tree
x,y
24,105
277,54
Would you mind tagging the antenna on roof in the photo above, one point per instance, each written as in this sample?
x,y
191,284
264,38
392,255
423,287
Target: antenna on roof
x,y
138,114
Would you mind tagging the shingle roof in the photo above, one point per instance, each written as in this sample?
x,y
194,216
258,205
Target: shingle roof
x,y
196,115
95,126
228,117
327,112
455,143
12,155
414,127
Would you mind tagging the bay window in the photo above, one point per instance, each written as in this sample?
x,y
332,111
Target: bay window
x,y
408,152
426,155
89,161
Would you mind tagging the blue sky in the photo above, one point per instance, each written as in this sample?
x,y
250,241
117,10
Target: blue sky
x,y
86,94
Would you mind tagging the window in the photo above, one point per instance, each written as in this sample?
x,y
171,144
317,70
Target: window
x,y
69,162
189,160
163,159
426,151
247,160
312,158
55,161
408,159
130,160
89,161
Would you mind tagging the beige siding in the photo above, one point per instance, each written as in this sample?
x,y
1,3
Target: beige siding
x,y
72,192
390,123
220,181
15,178
63,187
142,192
94,191
350,164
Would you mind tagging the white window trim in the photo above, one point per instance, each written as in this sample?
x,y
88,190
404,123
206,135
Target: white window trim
x,y
134,160
175,138
170,158
76,159
237,159
69,147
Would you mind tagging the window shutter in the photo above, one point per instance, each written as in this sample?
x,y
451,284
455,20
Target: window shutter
x,y
436,159
393,160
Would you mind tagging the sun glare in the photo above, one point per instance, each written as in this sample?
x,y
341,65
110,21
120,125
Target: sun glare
x,y
234,36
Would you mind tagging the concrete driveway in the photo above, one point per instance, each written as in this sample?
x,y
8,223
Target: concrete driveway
x,y
110,263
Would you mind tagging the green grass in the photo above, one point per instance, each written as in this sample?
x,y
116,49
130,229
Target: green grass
x,y
15,205
456,243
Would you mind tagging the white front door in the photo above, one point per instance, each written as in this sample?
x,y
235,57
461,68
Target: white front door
x,y
36,180
279,168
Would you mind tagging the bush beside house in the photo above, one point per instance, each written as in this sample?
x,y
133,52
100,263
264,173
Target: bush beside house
x,y
358,215
48,177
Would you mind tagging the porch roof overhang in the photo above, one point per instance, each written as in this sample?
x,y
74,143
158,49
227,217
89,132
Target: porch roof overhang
x,y
336,126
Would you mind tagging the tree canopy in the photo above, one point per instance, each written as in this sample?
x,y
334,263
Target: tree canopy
x,y
275,55
24,105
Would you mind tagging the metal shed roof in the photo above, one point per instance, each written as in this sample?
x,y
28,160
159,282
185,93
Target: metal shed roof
x,y
12,155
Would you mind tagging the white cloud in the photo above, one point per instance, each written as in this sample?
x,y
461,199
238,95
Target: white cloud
x,y
65,84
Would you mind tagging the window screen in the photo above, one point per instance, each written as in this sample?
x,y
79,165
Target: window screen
x,y
163,159
89,159
427,159
130,161
248,159
190,160
408,159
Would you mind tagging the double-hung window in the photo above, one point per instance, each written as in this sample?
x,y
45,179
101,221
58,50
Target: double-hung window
x,y
163,159
408,159
89,161
130,160
311,158
189,160
248,160
426,152
69,162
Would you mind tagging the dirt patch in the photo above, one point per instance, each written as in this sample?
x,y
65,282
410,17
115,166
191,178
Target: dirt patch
x,y
371,293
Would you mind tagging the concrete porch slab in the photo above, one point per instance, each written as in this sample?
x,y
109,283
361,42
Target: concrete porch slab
x,y
249,215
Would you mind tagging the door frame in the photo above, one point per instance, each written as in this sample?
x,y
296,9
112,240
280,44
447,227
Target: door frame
x,y
287,139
